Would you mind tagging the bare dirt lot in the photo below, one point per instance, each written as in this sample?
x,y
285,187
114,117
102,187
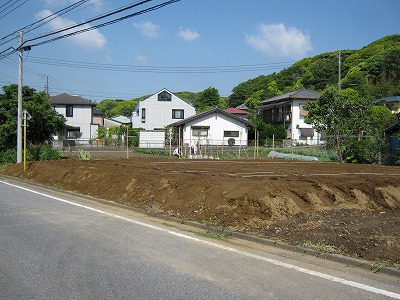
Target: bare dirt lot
x,y
345,208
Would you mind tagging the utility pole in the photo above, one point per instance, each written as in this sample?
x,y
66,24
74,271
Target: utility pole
x,y
340,65
47,85
19,109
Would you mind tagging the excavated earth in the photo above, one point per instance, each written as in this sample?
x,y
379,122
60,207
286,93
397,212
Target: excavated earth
x,y
350,209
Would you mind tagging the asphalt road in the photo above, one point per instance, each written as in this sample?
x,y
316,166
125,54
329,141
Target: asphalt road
x,y
61,246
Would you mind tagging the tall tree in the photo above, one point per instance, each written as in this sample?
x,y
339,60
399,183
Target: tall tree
x,y
207,99
340,116
45,121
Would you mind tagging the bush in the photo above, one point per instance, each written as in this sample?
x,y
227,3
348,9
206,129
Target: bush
x,y
43,152
8,157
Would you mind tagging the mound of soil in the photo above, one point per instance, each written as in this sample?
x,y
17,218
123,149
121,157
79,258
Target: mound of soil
x,y
346,208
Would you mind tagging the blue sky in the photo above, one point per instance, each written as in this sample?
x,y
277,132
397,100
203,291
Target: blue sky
x,y
189,45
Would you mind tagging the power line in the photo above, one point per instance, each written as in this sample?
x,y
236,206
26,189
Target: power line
x,y
101,25
47,19
88,21
5,4
159,69
54,16
12,9
12,50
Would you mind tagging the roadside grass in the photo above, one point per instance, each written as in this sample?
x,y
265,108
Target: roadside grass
x,y
219,235
378,265
321,247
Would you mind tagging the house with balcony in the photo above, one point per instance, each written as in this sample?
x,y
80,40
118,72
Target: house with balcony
x,y
79,127
288,110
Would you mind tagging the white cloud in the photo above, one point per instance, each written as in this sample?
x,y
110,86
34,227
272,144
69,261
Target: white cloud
x,y
148,29
142,59
278,41
188,34
91,39
63,3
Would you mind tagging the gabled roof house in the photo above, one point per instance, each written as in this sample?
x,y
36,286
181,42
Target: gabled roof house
x,y
288,110
79,114
159,110
213,127
392,102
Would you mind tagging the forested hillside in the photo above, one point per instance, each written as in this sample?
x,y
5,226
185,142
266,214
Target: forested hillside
x,y
374,71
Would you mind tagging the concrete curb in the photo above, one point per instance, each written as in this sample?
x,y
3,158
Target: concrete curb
x,y
350,261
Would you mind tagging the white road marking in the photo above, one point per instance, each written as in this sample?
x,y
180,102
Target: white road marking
x,y
230,249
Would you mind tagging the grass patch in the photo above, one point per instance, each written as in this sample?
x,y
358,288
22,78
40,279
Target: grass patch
x,y
158,152
223,235
321,247
378,265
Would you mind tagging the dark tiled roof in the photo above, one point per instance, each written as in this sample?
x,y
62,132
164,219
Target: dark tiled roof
x,y
64,98
97,112
298,94
211,111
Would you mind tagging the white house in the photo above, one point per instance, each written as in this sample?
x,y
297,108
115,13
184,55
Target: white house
x,y
117,121
79,115
159,110
288,110
213,127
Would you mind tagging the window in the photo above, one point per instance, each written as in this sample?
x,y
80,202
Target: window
x,y
178,114
143,115
164,96
74,133
306,132
303,112
200,130
231,133
69,110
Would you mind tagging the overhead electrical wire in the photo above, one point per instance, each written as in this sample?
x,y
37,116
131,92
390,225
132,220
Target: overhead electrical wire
x,y
41,22
90,20
5,4
99,25
159,69
7,52
5,14
54,16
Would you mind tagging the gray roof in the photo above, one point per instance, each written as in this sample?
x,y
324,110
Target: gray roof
x,y
211,111
65,99
388,99
298,94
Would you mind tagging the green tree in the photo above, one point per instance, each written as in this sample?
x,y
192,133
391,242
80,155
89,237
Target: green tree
x,y
254,100
45,121
340,116
207,99
123,108
380,118
106,105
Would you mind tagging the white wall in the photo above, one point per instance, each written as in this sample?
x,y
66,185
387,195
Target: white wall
x,y
159,113
82,118
151,139
298,122
218,123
